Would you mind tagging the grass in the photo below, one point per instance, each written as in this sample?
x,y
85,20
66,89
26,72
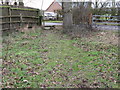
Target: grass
x,y
51,59
117,24
54,21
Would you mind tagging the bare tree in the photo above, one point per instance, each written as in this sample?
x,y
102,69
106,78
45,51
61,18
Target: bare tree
x,y
102,7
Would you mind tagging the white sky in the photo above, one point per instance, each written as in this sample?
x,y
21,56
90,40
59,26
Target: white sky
x,y
38,3
46,3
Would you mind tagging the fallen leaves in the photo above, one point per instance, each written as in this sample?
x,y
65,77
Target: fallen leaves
x,y
53,60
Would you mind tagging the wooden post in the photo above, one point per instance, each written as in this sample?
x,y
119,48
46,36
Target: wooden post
x,y
43,21
90,18
10,26
38,21
21,20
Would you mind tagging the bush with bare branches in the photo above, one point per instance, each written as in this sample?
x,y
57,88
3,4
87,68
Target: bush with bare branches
x,y
81,14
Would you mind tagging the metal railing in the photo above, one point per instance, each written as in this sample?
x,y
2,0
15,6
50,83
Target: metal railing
x,y
105,20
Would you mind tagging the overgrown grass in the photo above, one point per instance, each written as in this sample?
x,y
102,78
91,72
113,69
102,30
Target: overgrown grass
x,y
50,59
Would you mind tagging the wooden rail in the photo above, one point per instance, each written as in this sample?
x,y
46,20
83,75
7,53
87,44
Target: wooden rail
x,y
15,17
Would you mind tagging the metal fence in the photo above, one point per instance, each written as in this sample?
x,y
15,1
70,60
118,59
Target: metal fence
x,y
105,19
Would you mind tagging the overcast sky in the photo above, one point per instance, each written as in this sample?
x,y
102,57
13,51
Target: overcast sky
x,y
38,3
46,3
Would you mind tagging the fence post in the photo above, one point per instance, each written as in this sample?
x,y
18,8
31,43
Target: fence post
x,y
10,17
90,19
43,19
21,19
40,20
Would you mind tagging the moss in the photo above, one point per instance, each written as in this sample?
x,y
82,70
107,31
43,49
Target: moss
x,y
30,17
19,8
4,6
25,9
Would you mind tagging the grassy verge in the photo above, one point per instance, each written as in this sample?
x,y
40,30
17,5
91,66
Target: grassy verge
x,y
51,59
54,21
117,24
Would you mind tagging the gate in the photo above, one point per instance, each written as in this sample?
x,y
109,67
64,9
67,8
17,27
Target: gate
x,y
105,20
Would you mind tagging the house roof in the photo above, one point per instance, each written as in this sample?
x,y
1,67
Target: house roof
x,y
54,6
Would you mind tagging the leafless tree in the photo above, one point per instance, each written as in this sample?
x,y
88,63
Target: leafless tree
x,y
82,13
102,7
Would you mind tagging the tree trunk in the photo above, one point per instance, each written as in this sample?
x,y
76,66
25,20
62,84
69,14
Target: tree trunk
x,y
67,17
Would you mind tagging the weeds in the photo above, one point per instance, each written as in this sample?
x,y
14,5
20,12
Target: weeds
x,y
50,59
